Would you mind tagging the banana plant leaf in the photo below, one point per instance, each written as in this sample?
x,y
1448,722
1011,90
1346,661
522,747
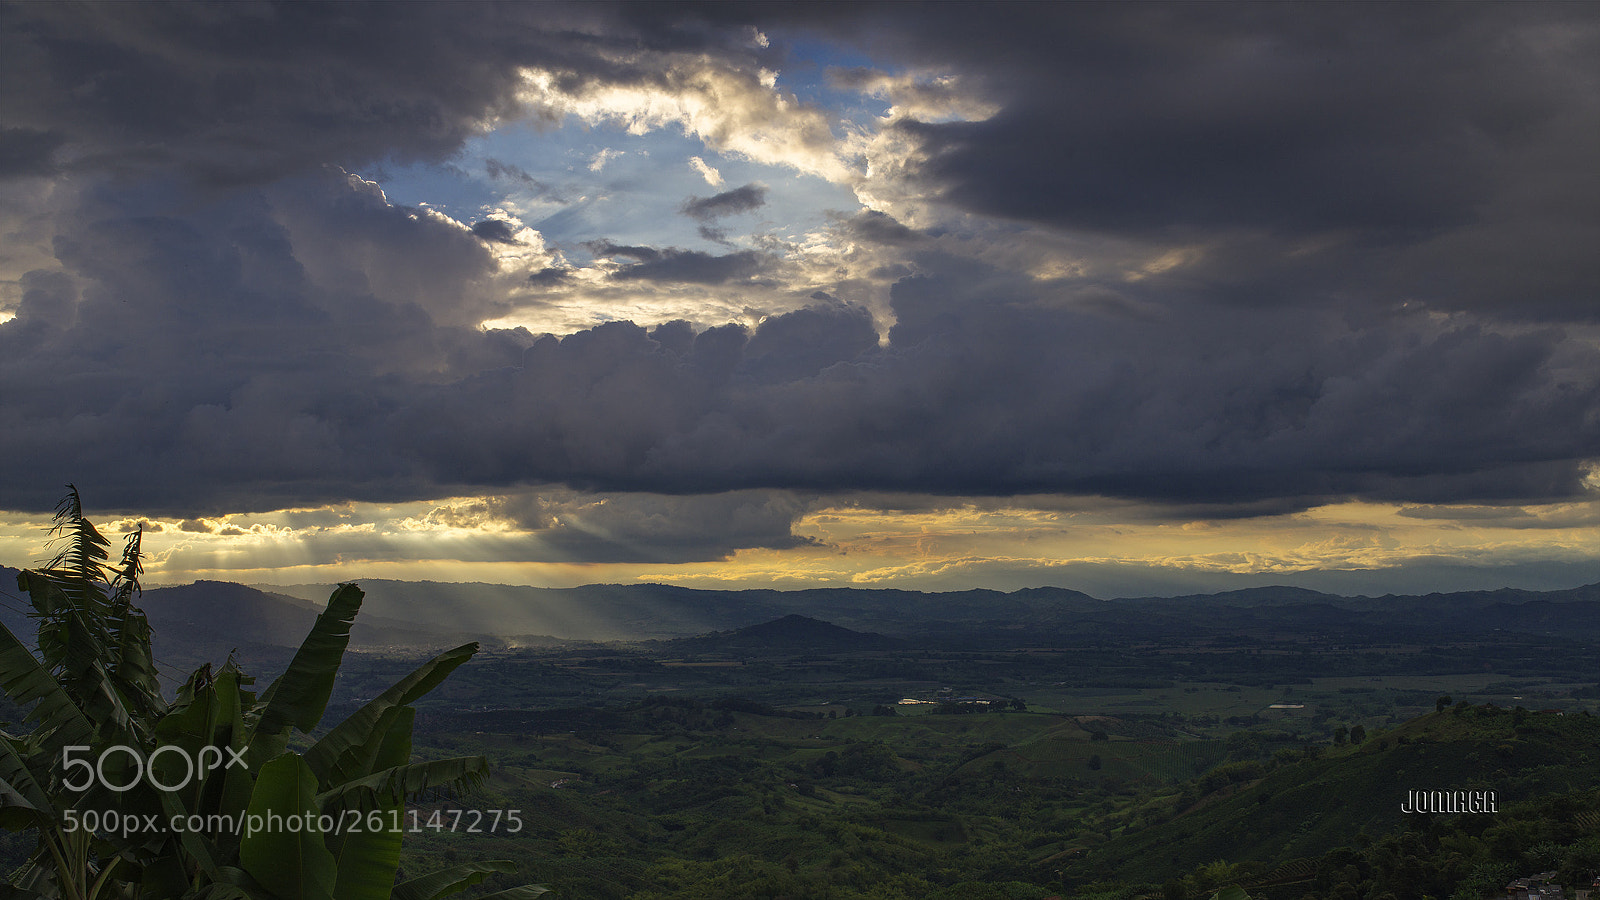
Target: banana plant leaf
x,y
449,880
291,863
337,756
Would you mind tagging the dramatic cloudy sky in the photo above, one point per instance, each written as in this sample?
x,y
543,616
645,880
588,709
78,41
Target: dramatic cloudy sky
x,y
1131,298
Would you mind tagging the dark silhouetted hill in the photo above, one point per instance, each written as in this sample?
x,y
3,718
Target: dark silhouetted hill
x,y
792,632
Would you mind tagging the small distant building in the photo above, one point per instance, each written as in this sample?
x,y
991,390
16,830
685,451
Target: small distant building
x,y
1537,887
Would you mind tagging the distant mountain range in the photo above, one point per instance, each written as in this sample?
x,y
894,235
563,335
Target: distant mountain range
x,y
792,632
653,611
208,619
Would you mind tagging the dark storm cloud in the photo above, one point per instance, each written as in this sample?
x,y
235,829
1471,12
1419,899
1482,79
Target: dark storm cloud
x,y
728,203
264,337
145,86
606,248
691,266
1350,180
1437,154
807,341
25,151
224,358
879,228
246,93
495,230
1153,116
503,170
1197,408
652,528
549,277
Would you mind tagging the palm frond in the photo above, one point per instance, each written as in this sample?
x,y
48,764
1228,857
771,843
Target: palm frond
x,y
125,578
25,680
79,567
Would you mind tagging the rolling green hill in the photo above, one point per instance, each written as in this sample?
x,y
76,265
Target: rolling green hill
x,y
1309,806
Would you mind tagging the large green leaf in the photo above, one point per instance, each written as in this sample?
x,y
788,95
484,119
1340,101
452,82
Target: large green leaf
x,y
238,782
300,696
368,857
397,784
292,863
205,725
449,880
521,892
396,747
345,752
199,850
19,788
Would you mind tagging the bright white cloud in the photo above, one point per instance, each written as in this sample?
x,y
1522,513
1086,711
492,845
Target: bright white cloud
x,y
598,162
743,113
732,110
925,96
712,176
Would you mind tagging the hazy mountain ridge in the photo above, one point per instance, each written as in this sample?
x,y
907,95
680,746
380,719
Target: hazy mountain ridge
x,y
239,612
987,617
435,614
209,620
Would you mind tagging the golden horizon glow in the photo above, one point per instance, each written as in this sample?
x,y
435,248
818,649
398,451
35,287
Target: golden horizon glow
x,y
938,545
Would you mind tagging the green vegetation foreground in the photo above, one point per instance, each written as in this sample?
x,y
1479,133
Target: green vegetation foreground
x,y
132,796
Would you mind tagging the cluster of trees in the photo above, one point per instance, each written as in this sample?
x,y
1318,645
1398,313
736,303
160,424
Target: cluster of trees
x,y
1354,734
131,795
